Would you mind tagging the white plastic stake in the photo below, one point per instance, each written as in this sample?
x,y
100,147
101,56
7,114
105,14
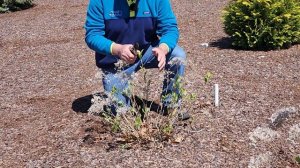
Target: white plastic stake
x,y
217,95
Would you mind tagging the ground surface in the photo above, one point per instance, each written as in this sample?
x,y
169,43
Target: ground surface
x,y
47,75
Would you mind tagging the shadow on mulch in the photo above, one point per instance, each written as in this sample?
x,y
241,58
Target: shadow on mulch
x,y
82,104
226,43
223,43
154,106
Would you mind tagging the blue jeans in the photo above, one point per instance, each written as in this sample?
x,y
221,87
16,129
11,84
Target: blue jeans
x,y
116,82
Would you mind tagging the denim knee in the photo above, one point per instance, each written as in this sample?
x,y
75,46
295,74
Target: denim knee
x,y
114,81
178,54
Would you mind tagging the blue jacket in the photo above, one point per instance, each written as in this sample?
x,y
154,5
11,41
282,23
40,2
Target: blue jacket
x,y
108,21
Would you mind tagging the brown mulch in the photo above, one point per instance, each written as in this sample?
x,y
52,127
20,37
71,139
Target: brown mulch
x,y
47,76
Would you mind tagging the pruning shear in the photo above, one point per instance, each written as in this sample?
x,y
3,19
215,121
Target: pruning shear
x,y
135,50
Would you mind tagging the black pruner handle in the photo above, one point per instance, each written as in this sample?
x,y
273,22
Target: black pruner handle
x,y
134,49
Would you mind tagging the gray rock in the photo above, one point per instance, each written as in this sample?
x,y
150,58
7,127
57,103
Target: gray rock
x,y
98,101
263,134
204,45
263,160
281,115
294,134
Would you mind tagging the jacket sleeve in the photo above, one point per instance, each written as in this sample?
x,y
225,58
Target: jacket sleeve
x,y
95,28
167,25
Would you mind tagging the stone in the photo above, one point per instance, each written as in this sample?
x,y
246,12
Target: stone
x,y
294,134
281,115
263,134
204,45
261,161
98,101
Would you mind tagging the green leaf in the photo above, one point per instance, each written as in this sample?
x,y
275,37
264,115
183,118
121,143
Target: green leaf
x,y
207,77
138,122
2,10
246,3
297,159
116,124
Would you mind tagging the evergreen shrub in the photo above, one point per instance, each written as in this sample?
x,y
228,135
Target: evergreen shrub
x,y
14,5
263,24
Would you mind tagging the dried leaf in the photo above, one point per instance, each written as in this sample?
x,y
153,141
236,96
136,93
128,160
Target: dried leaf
x,y
143,131
120,140
178,139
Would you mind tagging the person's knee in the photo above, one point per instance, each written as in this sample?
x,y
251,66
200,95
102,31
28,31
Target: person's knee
x,y
181,54
112,82
109,79
178,56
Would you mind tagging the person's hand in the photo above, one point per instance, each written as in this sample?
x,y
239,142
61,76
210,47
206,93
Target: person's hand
x,y
123,52
160,53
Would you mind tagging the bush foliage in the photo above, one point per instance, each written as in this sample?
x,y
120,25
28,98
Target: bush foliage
x,y
14,5
263,24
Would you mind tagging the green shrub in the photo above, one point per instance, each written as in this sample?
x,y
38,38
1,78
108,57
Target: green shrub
x,y
14,5
263,24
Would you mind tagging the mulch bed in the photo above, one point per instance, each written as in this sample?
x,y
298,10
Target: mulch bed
x,y
46,67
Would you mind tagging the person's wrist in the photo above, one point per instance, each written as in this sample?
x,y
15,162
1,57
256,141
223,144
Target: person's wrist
x,y
164,48
115,50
